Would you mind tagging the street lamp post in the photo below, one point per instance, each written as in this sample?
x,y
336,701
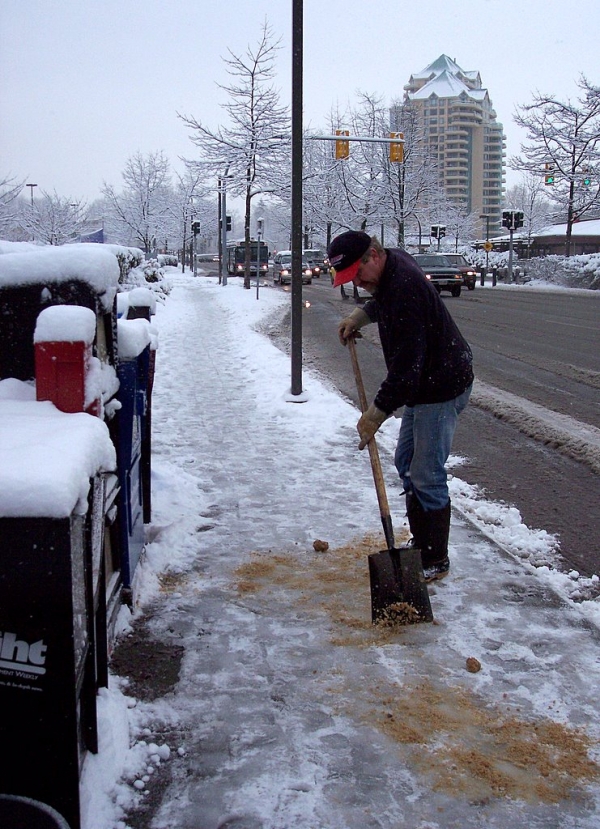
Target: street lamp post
x,y
420,233
194,230
31,186
194,240
296,310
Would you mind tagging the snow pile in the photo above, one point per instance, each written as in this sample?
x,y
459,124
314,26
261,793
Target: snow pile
x,y
582,271
92,264
134,336
65,323
47,457
150,275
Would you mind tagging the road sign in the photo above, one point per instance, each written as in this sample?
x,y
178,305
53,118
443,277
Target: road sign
x,y
488,246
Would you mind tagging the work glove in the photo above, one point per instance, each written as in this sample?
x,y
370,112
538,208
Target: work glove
x,y
350,325
369,423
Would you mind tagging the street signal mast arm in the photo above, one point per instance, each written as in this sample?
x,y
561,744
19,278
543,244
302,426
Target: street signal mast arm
x,y
342,140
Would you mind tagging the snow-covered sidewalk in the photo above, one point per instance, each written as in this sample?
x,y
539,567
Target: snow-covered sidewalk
x,y
291,709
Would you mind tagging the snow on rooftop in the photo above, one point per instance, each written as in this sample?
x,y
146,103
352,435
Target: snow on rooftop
x,y
92,264
447,85
590,227
445,79
587,227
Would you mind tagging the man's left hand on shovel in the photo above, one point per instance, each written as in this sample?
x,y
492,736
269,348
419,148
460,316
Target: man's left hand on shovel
x,y
369,423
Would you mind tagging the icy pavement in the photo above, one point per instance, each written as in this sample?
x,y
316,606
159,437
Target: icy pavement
x,y
292,710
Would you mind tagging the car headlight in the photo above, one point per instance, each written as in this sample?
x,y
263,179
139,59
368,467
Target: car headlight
x,y
240,268
427,276
285,272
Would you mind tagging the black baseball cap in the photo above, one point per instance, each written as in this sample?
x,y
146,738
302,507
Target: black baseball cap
x,y
345,253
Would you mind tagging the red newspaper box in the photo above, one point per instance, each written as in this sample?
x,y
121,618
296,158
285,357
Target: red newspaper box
x,y
63,355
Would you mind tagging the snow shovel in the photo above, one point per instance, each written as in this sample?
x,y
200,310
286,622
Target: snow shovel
x,y
398,587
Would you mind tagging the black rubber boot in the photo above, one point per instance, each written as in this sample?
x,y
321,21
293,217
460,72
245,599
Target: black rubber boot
x,y
416,521
434,554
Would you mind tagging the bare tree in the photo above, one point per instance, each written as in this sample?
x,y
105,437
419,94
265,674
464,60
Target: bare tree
x,y
54,219
10,189
460,223
144,207
368,189
564,141
328,206
255,149
529,197
414,184
189,202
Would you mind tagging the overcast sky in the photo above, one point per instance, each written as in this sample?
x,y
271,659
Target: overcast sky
x,y
84,85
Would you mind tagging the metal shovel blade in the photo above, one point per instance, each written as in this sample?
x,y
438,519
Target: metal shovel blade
x,y
398,588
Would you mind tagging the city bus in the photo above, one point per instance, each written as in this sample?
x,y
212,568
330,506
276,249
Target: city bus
x,y
236,257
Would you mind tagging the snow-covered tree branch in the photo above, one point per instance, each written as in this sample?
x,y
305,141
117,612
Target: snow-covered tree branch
x,y
254,148
564,143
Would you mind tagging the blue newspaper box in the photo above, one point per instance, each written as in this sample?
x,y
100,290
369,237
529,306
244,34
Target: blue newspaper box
x,y
130,429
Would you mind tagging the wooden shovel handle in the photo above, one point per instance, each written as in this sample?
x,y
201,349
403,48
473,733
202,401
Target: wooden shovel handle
x,y
384,508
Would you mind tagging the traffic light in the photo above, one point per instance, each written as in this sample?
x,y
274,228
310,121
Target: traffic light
x,y
397,150
549,177
517,219
507,218
227,222
587,179
195,228
434,231
441,231
342,148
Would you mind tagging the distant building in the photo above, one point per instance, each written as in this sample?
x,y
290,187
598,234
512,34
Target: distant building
x,y
95,236
461,132
550,240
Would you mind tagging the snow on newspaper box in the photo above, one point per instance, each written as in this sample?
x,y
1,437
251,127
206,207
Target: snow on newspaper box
x,y
60,581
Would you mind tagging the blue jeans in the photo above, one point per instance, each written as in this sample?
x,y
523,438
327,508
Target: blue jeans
x,y
424,444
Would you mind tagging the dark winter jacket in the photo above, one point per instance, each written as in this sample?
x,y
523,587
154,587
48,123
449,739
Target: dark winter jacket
x,y
427,358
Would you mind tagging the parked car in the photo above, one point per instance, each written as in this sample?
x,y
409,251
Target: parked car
x,y
316,261
439,270
282,269
468,271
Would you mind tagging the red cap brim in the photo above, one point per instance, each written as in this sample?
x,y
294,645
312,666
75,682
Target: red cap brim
x,y
347,275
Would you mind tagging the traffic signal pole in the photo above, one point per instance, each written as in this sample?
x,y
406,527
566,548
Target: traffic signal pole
x,y
512,220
